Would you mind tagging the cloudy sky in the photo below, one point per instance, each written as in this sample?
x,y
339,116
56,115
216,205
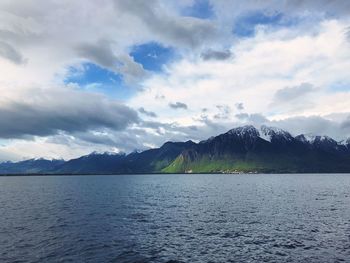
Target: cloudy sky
x,y
117,75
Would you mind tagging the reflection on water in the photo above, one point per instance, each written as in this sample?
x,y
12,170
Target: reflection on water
x,y
175,218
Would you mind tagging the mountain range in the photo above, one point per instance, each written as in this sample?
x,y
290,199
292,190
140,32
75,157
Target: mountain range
x,y
240,150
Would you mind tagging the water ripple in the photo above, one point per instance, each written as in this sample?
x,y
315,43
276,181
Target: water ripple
x,y
175,218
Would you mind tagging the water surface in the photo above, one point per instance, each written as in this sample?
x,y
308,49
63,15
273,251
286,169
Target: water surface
x,y
175,218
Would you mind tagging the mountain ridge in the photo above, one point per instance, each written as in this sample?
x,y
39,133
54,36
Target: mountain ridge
x,y
243,149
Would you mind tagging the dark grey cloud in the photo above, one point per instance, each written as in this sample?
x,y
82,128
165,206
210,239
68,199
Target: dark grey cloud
x,y
185,31
178,105
10,53
211,54
239,106
102,54
147,113
292,93
50,112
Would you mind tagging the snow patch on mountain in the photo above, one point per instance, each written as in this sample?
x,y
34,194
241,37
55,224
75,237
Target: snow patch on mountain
x,y
321,141
345,142
268,133
265,136
312,138
275,134
247,130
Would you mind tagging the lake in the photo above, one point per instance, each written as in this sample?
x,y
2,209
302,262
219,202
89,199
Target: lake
x,y
175,218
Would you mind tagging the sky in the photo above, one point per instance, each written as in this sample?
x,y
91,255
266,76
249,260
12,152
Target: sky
x,y
121,76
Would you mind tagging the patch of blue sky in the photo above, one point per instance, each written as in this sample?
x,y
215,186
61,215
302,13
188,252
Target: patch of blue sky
x,y
91,77
339,86
245,25
200,9
152,56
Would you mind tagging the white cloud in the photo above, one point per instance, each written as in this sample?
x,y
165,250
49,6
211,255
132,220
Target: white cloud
x,y
262,65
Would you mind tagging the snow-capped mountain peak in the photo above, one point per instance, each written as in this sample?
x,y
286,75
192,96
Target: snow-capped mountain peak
x,y
243,131
276,135
268,133
265,132
312,138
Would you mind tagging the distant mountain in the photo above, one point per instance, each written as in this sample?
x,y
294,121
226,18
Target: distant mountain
x,y
243,149
31,166
94,163
153,160
247,149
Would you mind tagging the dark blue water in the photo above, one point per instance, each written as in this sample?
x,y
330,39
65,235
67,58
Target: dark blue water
x,y
175,218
